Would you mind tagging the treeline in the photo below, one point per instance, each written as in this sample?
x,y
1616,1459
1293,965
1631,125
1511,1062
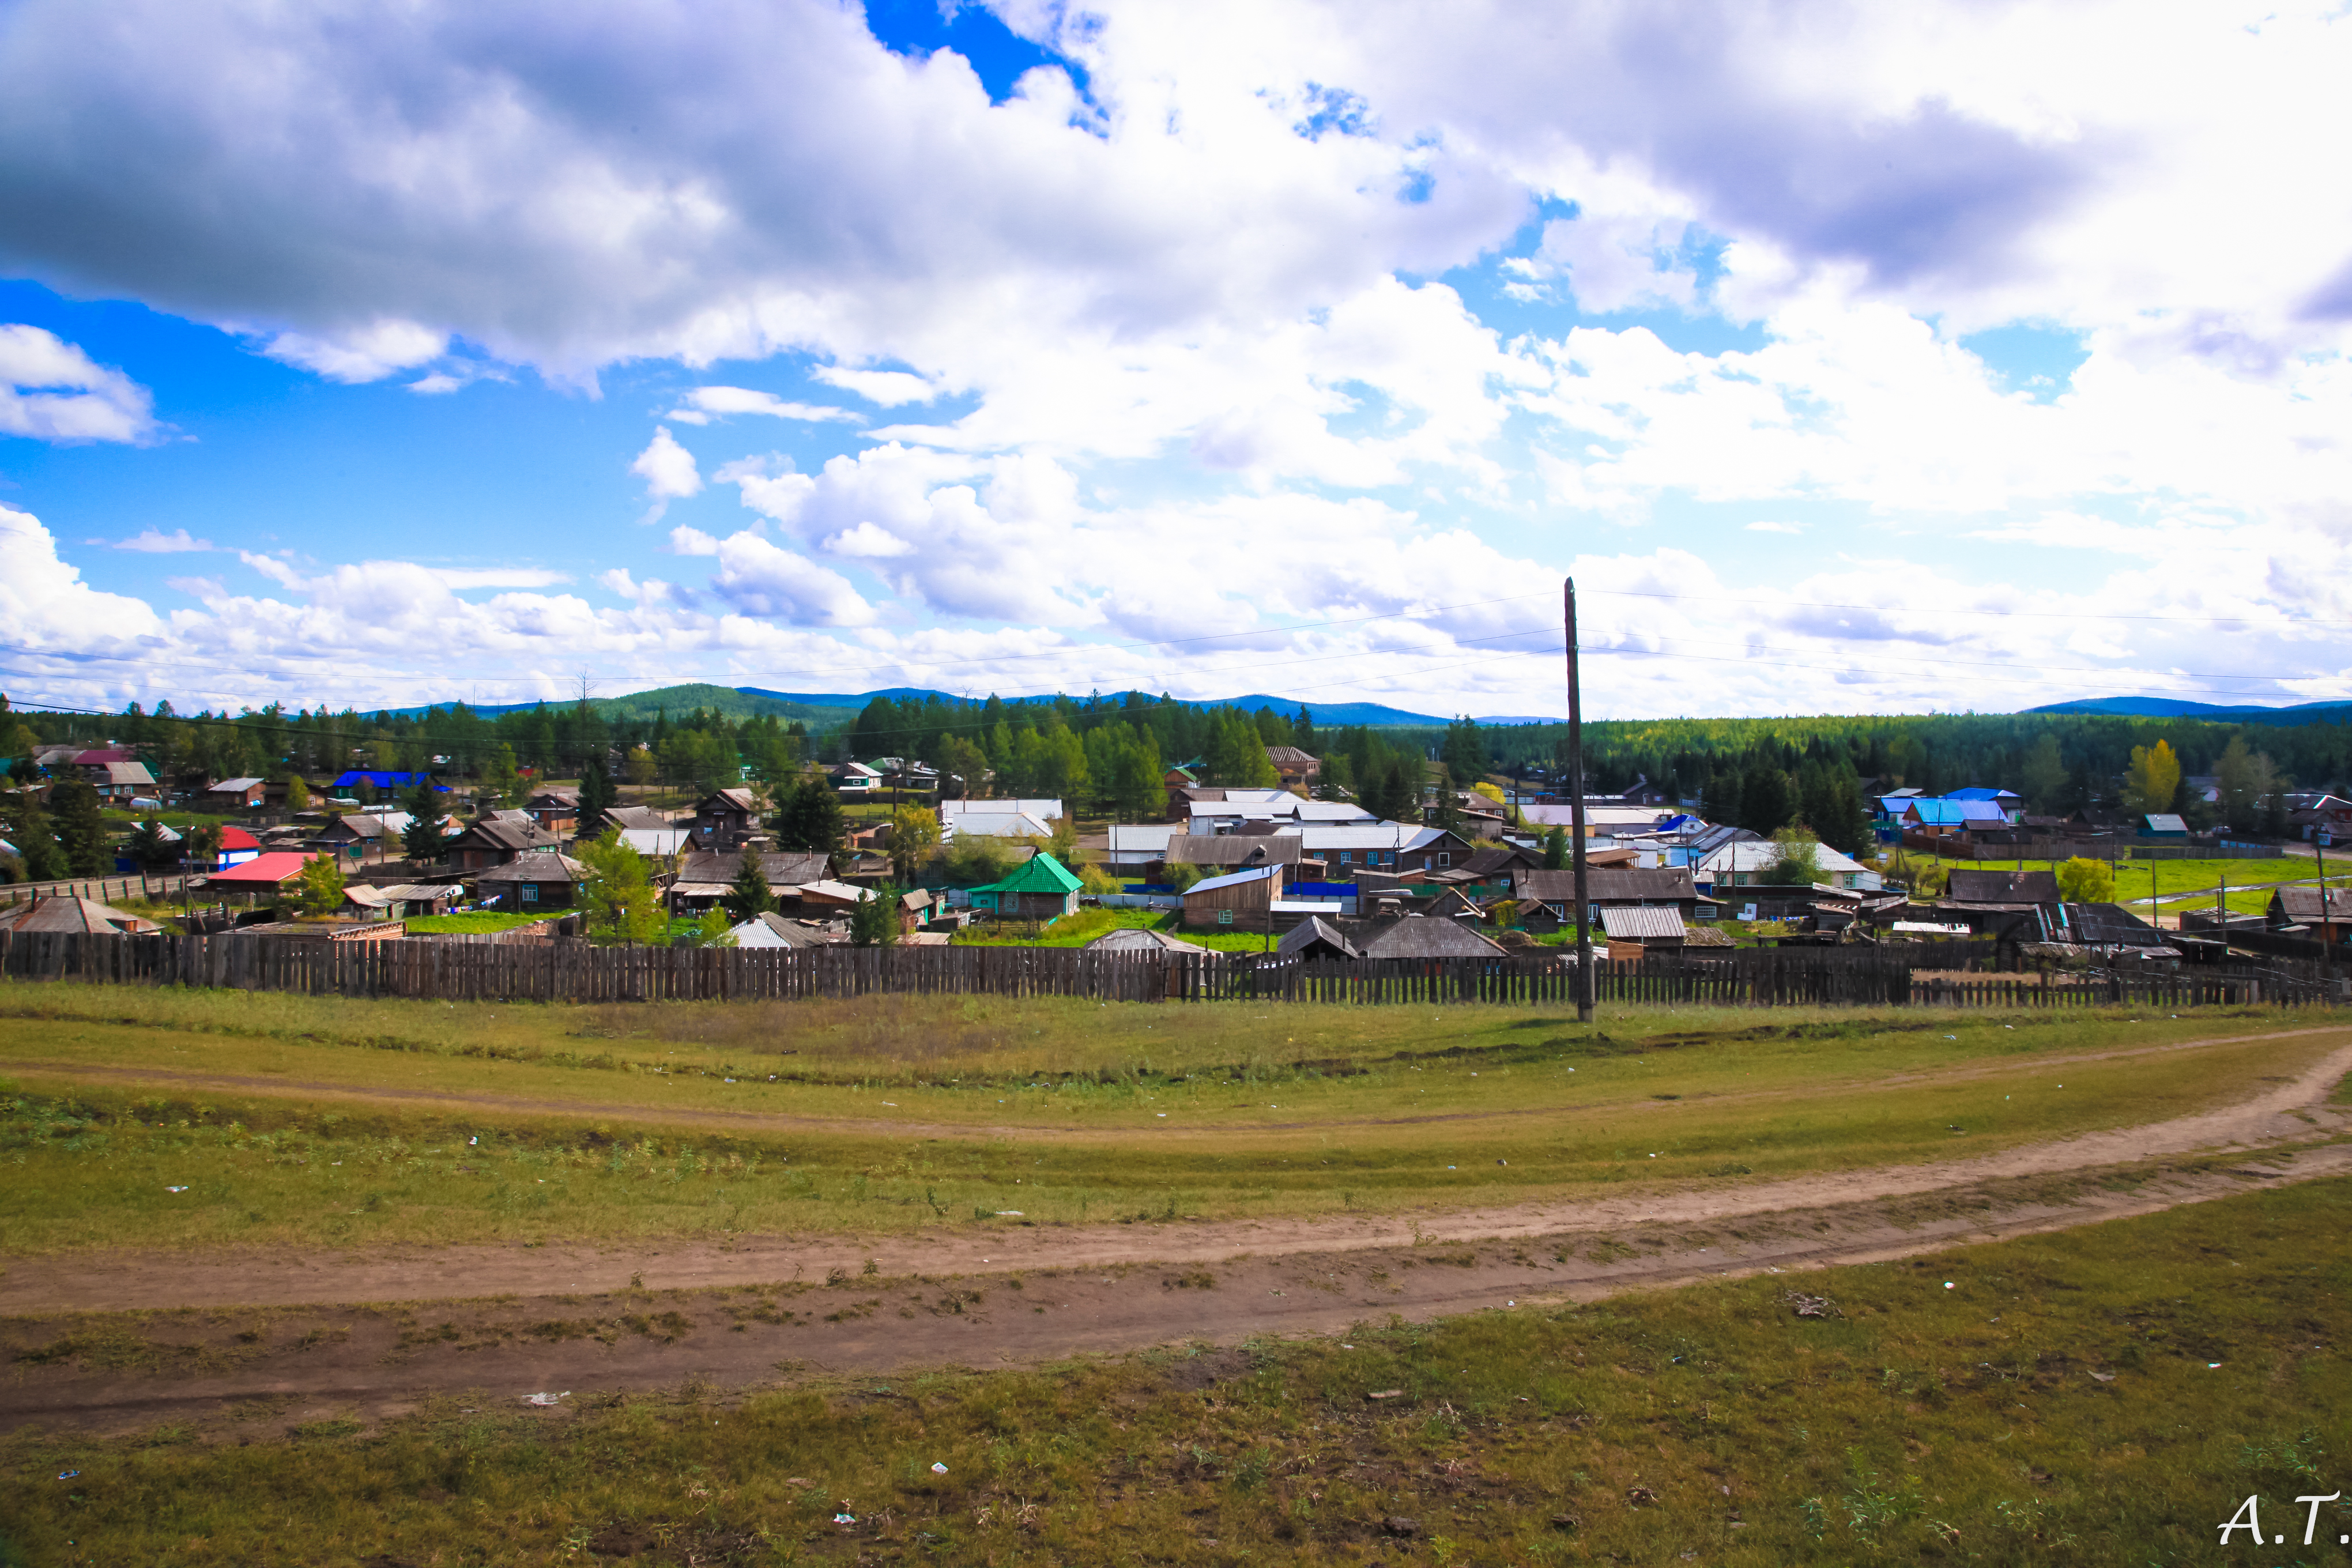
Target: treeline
x,y
2060,761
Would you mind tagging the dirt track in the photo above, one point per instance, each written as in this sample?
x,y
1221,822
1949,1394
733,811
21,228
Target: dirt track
x,y
571,1317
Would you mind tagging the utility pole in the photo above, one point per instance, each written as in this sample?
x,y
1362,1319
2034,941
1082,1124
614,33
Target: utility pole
x,y
1576,811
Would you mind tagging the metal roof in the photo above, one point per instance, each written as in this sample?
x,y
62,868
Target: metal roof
x,y
1233,880
1428,936
1640,923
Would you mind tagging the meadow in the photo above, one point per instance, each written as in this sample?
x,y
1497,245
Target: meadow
x,y
2107,1397
296,1119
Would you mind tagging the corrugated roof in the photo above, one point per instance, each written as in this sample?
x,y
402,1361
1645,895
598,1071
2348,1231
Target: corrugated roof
x,y
2001,887
1640,923
1233,849
264,870
2303,904
1232,879
1139,939
539,866
233,787
2165,822
1613,884
782,868
55,914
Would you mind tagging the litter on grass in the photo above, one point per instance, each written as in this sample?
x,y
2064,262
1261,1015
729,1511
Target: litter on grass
x,y
68,1475
938,1468
544,1400
175,1189
845,1519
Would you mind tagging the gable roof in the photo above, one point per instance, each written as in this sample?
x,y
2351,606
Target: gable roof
x,y
55,914
1639,923
1424,936
2001,887
1045,807
1230,880
1041,873
264,870
2303,903
782,868
496,833
1613,884
1314,934
730,800
997,824
234,786
637,816
1978,792
1233,849
237,838
539,866
2165,822
1141,938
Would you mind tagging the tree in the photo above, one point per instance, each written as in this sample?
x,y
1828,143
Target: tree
x,y
1764,802
808,817
1830,801
2082,881
874,922
1720,802
2246,779
597,797
712,930
2152,780
422,839
297,793
963,768
618,896
640,766
973,861
2042,775
1798,863
1464,752
149,847
74,814
914,838
749,897
1556,851
201,844
319,889
1446,813
499,774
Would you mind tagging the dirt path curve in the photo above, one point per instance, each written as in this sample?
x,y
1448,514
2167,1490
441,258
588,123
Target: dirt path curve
x,y
263,1376
748,1122
2281,1113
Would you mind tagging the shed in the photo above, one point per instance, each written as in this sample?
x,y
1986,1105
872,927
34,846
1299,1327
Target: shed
x,y
1141,938
1315,937
772,929
1636,930
236,795
2328,921
2163,825
1982,887
724,818
1039,888
1240,899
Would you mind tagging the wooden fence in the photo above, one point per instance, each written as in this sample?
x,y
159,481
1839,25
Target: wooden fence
x,y
576,972
105,890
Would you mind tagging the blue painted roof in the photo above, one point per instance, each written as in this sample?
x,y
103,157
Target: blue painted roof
x,y
382,779
1978,792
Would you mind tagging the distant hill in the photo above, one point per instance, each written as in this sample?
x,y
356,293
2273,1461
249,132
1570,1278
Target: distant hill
x,y
825,708
2333,712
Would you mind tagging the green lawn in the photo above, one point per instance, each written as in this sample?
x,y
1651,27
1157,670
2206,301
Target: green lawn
x,y
478,922
1086,925
2104,1398
907,1113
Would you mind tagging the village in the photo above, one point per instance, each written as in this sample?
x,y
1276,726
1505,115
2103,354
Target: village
x,y
888,850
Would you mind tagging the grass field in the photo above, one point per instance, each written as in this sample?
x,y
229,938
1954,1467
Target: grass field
x,y
1087,925
2109,1396
474,923
412,1122
2137,881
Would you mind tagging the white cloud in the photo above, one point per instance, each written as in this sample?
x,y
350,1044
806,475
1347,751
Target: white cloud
x,y
438,384
496,576
889,388
52,391
1776,528
154,542
668,471
704,402
368,352
759,579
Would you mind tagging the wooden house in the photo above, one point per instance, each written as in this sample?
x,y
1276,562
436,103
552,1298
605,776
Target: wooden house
x,y
494,841
1242,900
537,879
1040,887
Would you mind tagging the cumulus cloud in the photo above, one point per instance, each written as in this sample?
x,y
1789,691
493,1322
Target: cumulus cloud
x,y
669,472
367,352
889,388
52,391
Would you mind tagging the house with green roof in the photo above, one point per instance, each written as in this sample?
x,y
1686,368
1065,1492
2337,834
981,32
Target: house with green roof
x,y
1040,889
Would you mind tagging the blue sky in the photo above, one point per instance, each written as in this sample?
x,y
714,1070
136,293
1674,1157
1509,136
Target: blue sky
x,y
1281,348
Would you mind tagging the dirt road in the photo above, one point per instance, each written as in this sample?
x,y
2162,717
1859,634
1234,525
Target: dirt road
x,y
292,1338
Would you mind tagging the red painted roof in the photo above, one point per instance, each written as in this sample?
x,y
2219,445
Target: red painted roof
x,y
239,838
277,866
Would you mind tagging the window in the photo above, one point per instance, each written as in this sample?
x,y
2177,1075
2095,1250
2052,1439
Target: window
x,y
1446,857
530,892
1343,856
1224,917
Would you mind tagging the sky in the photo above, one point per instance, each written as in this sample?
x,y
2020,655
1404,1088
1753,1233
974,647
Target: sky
x,y
1851,358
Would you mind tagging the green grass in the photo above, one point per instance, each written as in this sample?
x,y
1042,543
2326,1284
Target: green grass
x,y
2135,880
480,922
1087,925
614,1121
1918,1425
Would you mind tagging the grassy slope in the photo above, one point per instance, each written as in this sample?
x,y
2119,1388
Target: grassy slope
x,y
1921,1424
1079,1112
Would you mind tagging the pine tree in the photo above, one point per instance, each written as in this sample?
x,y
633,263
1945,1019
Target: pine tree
x,y
81,829
1556,852
422,838
597,798
874,922
749,896
148,848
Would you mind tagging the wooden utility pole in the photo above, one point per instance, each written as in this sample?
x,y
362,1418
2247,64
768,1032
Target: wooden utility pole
x,y
1576,812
